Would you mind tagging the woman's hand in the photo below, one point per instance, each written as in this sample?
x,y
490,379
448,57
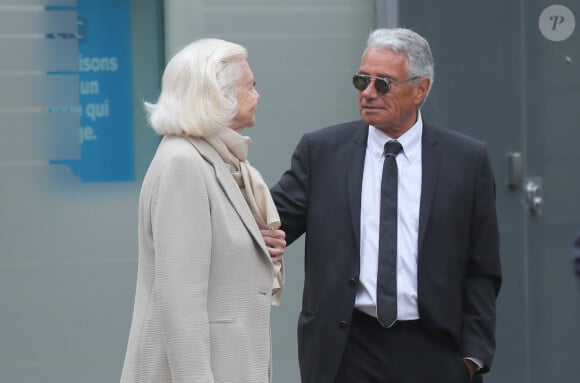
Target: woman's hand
x,y
276,243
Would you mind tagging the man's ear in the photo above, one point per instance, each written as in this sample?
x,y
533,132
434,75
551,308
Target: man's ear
x,y
421,89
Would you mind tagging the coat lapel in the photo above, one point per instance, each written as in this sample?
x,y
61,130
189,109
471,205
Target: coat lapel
x,y
355,175
430,170
231,189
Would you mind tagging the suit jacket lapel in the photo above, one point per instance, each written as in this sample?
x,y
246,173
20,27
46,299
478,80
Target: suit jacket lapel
x,y
355,175
230,188
431,158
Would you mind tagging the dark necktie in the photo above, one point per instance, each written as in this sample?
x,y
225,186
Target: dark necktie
x,y
387,269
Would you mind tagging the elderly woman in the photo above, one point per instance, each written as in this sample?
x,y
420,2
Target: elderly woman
x,y
206,280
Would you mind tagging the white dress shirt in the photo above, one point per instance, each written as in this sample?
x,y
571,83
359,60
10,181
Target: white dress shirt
x,y
409,195
408,202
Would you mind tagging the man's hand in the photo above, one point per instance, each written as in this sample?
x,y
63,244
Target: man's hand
x,y
276,243
471,366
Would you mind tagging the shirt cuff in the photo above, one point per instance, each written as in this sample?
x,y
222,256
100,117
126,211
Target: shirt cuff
x,y
478,363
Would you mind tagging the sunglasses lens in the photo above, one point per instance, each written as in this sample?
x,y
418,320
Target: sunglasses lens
x,y
382,86
360,82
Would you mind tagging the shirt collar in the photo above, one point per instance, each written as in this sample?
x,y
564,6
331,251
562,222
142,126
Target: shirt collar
x,y
410,140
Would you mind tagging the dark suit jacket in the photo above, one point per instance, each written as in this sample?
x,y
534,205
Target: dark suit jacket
x,y
459,272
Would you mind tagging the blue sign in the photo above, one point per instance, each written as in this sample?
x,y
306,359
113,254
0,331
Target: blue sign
x,y
106,107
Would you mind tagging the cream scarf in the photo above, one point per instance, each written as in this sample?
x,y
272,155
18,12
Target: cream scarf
x,y
233,149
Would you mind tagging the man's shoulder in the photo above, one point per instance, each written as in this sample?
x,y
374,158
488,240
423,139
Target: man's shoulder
x,y
443,135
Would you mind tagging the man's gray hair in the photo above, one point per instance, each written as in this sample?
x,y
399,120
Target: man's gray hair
x,y
419,58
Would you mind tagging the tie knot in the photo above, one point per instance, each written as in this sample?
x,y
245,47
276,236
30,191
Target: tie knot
x,y
392,148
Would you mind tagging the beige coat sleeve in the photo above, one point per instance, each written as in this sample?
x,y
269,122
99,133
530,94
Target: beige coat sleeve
x,y
182,235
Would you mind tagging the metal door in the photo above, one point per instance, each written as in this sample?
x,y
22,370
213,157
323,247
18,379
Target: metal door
x,y
551,129
508,72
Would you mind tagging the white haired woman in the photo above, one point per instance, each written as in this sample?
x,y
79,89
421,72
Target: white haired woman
x,y
206,279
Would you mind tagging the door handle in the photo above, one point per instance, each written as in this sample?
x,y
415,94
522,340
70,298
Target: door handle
x,y
534,195
515,170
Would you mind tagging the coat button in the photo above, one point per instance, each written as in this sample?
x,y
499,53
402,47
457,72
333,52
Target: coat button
x,y
352,281
343,324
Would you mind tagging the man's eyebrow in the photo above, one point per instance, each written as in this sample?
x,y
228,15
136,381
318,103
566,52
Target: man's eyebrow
x,y
381,75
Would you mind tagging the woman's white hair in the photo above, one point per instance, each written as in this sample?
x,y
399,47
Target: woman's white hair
x,y
198,89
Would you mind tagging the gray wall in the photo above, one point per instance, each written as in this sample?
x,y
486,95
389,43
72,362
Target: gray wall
x,y
67,248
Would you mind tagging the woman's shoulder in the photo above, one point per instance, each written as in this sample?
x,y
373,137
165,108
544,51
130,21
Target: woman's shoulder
x,y
176,149
175,153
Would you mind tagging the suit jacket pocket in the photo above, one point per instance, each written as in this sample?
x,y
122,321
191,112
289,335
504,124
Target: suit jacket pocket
x,y
223,320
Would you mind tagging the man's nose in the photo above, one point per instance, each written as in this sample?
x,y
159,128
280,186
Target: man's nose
x,y
370,90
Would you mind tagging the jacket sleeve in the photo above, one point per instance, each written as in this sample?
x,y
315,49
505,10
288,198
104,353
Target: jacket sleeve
x,y
483,276
291,193
182,235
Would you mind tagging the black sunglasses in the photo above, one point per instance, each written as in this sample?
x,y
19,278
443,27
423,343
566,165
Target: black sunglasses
x,y
382,85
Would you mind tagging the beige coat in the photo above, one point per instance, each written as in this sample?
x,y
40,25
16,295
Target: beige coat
x,y
204,281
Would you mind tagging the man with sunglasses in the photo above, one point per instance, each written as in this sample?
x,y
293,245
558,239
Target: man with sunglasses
x,y
433,319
